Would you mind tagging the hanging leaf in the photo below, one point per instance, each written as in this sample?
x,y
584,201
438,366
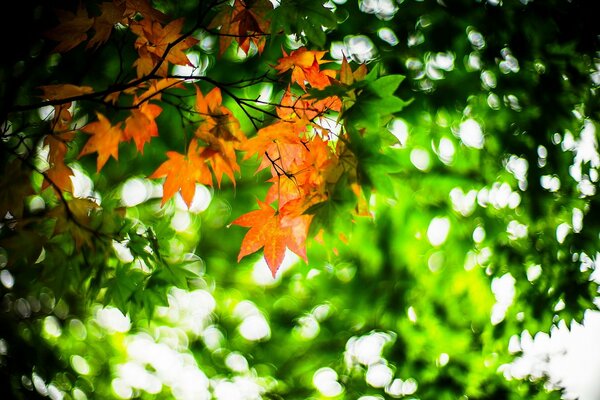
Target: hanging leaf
x,y
182,172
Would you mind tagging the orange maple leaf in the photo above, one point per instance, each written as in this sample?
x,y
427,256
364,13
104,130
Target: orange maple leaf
x,y
221,131
294,219
290,107
305,108
156,44
301,62
273,232
222,160
62,116
305,178
61,121
63,91
140,125
278,144
157,86
301,57
218,121
71,30
183,171
318,78
105,140
58,173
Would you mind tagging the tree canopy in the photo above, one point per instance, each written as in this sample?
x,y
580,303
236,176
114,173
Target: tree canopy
x,y
294,199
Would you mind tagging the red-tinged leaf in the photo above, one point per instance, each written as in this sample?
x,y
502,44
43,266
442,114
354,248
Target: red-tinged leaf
x,y
60,174
71,29
318,78
140,125
110,14
315,108
105,140
265,232
182,173
274,231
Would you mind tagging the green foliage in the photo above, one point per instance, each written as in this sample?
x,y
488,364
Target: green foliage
x,y
306,20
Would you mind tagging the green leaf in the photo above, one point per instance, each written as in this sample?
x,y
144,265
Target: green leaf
x,y
302,17
123,285
376,104
386,85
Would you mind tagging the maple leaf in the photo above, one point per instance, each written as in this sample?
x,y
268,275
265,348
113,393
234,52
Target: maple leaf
x,y
318,78
316,108
62,116
71,30
305,107
61,121
290,107
110,14
301,58
284,189
223,160
75,218
278,144
157,86
105,140
220,130
143,7
347,76
145,64
58,173
273,232
141,125
294,219
157,44
63,91
306,178
183,172
218,120
245,22
301,62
